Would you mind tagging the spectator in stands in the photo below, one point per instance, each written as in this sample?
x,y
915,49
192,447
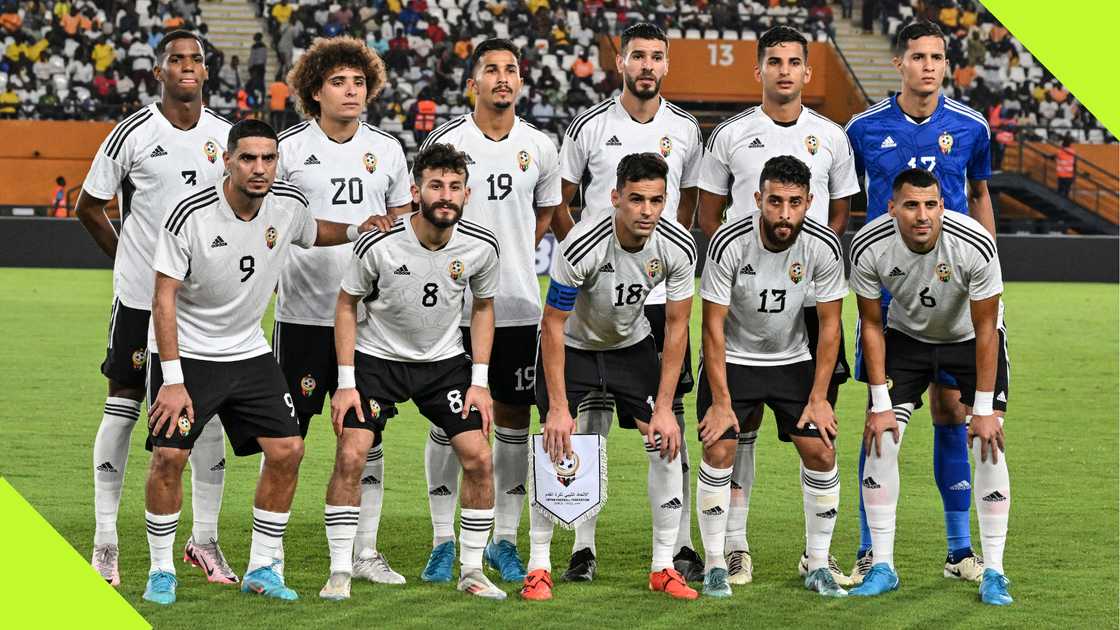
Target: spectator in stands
x,y
422,116
582,69
104,54
282,12
258,58
10,19
142,57
278,93
58,207
1047,109
542,113
1065,166
231,75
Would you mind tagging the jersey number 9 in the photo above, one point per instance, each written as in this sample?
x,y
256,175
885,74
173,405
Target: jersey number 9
x,y
248,266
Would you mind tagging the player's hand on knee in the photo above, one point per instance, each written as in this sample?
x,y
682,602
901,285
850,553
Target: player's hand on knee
x,y
558,432
379,222
664,424
717,420
342,402
878,424
990,432
819,414
479,398
172,402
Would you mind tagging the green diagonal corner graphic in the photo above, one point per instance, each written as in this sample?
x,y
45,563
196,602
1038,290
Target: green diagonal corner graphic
x,y
53,587
1076,42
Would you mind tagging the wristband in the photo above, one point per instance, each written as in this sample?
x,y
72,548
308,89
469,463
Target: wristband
x,y
982,404
480,375
172,372
880,398
346,377
352,233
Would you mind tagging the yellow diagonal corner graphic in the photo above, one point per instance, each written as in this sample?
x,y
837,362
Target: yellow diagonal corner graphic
x,y
45,583
1076,41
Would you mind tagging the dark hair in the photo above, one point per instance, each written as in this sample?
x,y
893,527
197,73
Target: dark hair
x,y
491,45
439,156
782,35
248,128
309,73
785,169
637,167
161,47
916,177
643,30
915,30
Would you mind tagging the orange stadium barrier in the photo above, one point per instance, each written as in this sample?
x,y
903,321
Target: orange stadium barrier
x,y
35,152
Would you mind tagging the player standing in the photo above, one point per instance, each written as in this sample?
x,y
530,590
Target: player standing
x,y
217,260
923,128
607,268
157,153
759,270
411,281
348,170
736,153
637,120
516,182
944,273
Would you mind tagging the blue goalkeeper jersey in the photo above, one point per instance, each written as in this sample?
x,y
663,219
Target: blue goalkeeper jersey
x,y
953,143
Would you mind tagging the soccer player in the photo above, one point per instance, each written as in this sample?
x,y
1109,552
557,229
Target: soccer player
x,y
516,180
218,257
637,120
607,267
944,273
922,128
349,170
736,153
163,150
411,281
759,270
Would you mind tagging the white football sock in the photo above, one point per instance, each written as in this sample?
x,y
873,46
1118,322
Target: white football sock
x,y
880,488
684,528
474,531
208,475
713,501
742,480
342,525
110,456
595,415
441,468
373,494
161,540
511,468
268,536
820,494
663,484
540,541
992,489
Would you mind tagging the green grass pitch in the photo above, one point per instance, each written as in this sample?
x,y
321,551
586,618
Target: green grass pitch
x,y
1062,447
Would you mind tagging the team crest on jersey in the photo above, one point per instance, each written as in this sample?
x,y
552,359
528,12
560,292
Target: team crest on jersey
x,y
270,237
374,408
796,272
523,160
138,359
812,143
184,425
653,268
456,269
307,385
666,146
944,273
369,161
945,141
211,150
566,470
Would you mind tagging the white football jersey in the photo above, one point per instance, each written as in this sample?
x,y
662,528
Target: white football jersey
x,y
739,148
509,179
598,139
764,290
930,292
228,267
148,163
345,183
614,283
413,296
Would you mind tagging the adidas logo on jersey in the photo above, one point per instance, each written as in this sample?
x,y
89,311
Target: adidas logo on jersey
x,y
870,484
829,514
747,269
756,144
672,504
518,490
607,268
896,273
402,271
995,497
888,143
470,160
107,467
221,465
370,480
441,491
311,160
713,511
218,242
158,152
614,142
961,485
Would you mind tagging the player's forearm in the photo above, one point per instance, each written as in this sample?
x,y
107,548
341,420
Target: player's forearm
x,y
399,210
552,360
980,206
715,359
544,221
562,221
828,347
984,316
711,212
345,328
332,233
686,207
839,211
482,329
874,353
163,318
672,354
91,212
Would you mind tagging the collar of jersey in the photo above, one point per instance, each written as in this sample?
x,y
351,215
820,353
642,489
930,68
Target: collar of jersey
x,y
224,203
907,118
470,119
319,130
414,239
622,110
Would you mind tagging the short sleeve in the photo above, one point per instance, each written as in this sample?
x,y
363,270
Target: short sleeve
x,y
852,132
718,277
680,283
173,254
865,279
573,160
986,279
690,177
107,172
563,271
980,162
714,172
400,184
828,278
484,284
547,191
842,180
304,227
360,275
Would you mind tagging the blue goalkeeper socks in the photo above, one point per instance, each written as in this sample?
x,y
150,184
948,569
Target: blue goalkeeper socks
x,y
954,480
